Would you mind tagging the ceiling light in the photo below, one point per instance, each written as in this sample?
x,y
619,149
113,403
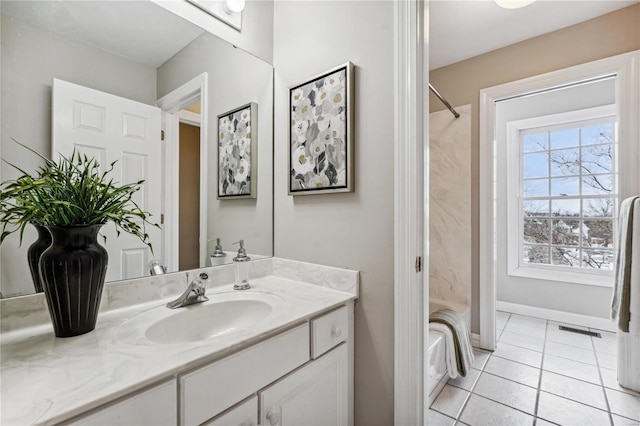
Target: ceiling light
x,y
233,6
511,4
228,11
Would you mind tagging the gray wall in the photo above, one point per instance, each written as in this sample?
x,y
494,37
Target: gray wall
x,y
251,80
31,58
352,230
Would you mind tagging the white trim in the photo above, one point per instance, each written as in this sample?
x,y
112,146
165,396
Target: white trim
x,y
178,99
487,295
171,126
515,216
171,159
628,101
188,117
475,340
625,66
558,316
551,273
411,288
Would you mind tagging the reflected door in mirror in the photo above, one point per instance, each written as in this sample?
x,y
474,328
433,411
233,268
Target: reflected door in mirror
x,y
114,129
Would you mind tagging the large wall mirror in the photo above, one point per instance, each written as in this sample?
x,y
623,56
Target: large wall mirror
x,y
73,60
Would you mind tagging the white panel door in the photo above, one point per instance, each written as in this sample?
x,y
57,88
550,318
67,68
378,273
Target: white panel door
x,y
112,128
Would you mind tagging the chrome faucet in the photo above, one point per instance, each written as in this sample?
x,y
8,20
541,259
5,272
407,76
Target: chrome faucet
x,y
194,292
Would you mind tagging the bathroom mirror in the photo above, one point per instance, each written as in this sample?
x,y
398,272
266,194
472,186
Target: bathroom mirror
x,y
142,53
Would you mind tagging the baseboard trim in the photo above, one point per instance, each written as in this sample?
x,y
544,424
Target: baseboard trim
x,y
475,340
559,316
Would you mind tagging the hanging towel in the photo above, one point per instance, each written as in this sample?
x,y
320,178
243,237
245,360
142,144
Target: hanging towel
x,y
620,303
458,349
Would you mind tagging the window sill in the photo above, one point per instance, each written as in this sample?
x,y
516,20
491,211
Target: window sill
x,y
548,274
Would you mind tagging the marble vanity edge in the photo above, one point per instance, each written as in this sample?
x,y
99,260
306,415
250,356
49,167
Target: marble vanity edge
x,y
346,280
31,310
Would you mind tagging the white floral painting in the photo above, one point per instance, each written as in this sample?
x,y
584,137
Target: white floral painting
x,y
321,158
237,152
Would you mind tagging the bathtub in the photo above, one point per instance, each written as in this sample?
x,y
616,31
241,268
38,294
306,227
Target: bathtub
x,y
436,364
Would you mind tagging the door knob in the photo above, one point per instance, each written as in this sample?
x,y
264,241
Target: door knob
x,y
273,417
336,331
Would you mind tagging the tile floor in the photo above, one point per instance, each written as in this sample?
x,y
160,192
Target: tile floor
x,y
539,375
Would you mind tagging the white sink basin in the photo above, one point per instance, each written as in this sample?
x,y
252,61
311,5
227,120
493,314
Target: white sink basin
x,y
224,313
200,321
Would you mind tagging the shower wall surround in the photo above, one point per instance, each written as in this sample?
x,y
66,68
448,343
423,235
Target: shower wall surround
x,y
450,205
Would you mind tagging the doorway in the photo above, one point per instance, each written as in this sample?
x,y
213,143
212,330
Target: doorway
x,y
189,196
174,106
493,185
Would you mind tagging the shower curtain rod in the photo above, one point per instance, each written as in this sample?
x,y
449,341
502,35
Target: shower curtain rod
x,y
444,101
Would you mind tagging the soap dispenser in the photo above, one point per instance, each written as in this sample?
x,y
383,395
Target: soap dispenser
x,y
242,269
218,255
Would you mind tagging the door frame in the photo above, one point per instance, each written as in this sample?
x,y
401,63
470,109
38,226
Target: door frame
x,y
171,104
188,117
625,67
411,283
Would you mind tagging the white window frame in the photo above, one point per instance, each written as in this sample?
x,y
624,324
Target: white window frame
x,y
514,200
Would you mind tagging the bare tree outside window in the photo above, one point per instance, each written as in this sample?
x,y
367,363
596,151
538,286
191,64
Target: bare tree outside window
x,y
568,199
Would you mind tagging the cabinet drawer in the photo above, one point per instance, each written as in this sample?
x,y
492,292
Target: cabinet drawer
x,y
210,390
155,406
329,330
244,414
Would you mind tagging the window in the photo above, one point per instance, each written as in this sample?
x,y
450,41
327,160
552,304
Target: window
x,y
565,187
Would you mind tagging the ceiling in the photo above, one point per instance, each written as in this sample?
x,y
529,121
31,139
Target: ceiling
x,y
140,31
458,29
462,29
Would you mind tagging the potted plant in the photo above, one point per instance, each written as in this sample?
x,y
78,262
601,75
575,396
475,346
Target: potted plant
x,y
72,199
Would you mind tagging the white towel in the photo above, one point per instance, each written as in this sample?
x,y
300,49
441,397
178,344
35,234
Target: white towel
x,y
620,303
449,348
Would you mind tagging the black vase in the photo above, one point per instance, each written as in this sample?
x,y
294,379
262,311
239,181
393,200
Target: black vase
x,y
73,270
35,251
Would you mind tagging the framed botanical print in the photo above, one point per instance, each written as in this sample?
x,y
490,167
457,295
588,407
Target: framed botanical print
x,y
321,133
238,152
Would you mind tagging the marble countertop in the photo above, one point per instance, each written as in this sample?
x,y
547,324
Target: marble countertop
x,y
46,380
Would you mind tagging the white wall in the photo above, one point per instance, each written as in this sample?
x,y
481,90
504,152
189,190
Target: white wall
x,y
352,230
31,58
256,36
250,81
556,295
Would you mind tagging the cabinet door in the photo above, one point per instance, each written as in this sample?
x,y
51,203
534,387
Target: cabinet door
x,y
315,395
154,407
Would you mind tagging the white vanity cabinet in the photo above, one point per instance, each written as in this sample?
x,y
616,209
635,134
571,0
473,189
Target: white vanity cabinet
x,y
315,389
301,376
152,407
208,391
318,393
315,395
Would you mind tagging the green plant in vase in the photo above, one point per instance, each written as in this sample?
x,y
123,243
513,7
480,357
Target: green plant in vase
x,y
72,199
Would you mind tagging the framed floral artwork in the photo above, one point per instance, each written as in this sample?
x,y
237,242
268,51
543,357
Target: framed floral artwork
x,y
321,133
237,152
